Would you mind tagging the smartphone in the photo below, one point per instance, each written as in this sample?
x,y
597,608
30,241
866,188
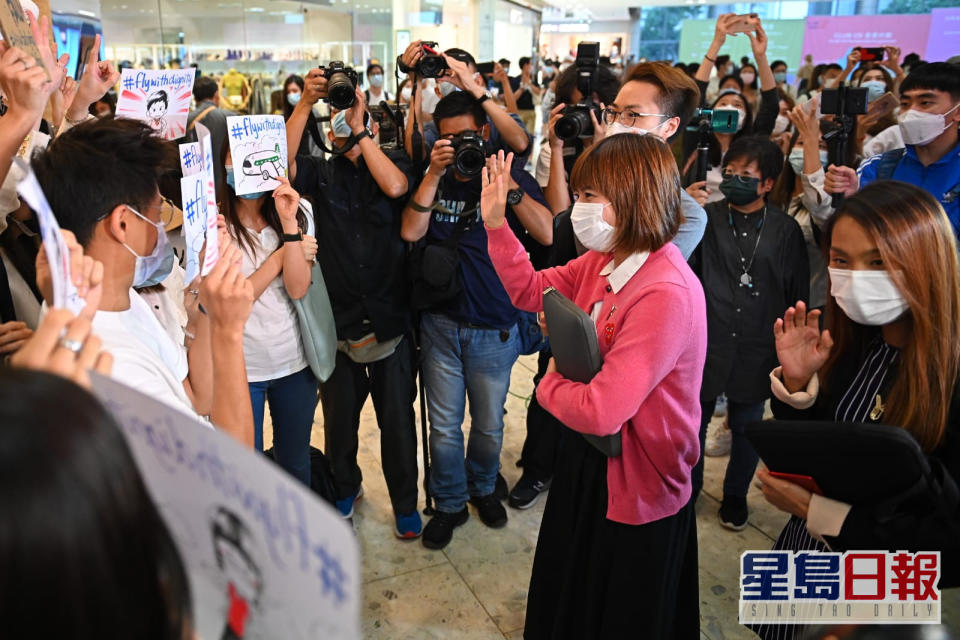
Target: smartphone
x,y
882,106
870,54
485,68
724,120
743,23
807,482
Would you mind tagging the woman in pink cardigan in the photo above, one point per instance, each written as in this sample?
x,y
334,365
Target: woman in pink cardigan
x,y
616,531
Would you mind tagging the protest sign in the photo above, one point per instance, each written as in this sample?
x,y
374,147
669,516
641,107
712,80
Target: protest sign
x,y
258,145
160,98
191,160
58,255
265,557
15,28
194,197
212,253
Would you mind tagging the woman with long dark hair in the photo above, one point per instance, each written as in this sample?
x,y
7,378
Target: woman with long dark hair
x,y
889,354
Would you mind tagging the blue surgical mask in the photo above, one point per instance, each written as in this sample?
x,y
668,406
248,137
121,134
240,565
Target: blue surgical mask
x,y
875,89
231,180
376,80
780,76
446,88
293,98
154,268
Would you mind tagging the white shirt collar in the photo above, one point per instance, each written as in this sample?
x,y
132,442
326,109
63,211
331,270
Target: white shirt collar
x,y
620,276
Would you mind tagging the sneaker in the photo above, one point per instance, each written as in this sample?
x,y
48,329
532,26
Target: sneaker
x,y
500,488
720,409
733,513
439,531
345,505
718,441
526,492
409,526
490,510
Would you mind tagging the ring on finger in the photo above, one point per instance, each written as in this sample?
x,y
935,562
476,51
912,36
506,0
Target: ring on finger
x,y
74,346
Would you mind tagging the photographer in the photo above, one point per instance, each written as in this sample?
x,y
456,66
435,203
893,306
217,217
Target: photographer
x,y
929,116
357,198
506,129
749,123
469,334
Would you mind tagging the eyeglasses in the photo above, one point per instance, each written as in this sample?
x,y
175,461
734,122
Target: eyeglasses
x,y
740,179
627,118
168,211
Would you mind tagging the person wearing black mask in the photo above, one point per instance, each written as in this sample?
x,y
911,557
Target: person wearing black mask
x,y
753,264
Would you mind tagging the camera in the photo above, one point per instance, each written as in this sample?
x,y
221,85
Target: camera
x,y
469,154
576,121
431,65
387,125
342,84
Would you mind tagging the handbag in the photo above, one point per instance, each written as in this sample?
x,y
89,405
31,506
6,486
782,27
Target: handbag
x,y
318,329
434,269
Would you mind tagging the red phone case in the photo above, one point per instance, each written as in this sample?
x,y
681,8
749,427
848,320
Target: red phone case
x,y
807,482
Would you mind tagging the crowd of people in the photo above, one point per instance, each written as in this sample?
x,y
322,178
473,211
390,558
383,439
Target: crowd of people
x,y
753,263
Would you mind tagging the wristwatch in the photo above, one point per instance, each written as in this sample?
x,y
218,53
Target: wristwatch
x,y
293,237
514,196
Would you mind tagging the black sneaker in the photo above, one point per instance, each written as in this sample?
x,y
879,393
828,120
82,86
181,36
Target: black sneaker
x,y
526,492
500,488
733,513
439,531
490,510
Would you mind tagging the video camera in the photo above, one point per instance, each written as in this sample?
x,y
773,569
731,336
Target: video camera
x,y
705,122
469,154
844,104
576,121
342,84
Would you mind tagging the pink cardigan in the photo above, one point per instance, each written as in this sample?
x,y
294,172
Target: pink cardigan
x,y
649,386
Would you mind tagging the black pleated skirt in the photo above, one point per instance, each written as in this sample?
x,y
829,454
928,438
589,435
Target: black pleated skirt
x,y
595,578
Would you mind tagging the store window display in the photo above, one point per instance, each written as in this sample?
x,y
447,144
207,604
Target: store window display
x,y
235,90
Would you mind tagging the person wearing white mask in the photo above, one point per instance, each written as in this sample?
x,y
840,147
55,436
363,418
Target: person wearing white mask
x,y
929,117
779,68
890,355
751,121
375,92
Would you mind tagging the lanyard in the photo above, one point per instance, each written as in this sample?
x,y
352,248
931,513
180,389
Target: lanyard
x,y
746,280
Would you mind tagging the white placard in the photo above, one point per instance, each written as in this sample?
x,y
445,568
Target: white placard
x,y
160,98
193,190
191,160
58,255
212,253
258,145
261,551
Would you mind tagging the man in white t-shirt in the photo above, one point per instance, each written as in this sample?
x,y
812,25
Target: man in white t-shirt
x,y
101,181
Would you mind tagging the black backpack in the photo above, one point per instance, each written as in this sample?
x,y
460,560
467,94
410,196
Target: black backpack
x,y
321,475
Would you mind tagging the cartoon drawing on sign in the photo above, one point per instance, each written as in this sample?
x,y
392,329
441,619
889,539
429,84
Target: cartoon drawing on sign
x,y
233,548
159,98
258,145
157,105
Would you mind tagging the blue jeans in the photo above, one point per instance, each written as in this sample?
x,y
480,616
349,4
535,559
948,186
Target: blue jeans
x,y
464,363
293,400
743,458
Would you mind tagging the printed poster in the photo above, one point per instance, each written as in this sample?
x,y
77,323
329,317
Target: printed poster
x,y
266,559
258,145
160,98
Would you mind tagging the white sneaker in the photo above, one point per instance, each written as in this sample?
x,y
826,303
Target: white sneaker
x,y
718,441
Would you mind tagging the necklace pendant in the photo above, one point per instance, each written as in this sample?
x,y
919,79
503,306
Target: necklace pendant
x,y
877,410
745,280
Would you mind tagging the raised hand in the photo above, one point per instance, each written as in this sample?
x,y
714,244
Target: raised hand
x,y
24,84
892,60
493,195
86,273
804,118
853,58
556,142
758,42
97,79
314,87
354,115
287,201
801,347
411,56
699,192
441,157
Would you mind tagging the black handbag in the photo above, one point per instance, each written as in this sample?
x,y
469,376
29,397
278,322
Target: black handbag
x,y
433,269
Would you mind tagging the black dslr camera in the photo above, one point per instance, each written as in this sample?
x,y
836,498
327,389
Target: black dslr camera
x,y
342,84
576,122
431,65
469,154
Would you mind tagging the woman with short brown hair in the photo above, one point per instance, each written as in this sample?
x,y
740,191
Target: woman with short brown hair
x,y
616,531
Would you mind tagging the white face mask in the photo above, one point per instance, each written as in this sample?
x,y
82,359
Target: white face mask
x,y
783,123
591,229
867,297
742,119
406,94
619,127
796,160
920,127
830,84
748,78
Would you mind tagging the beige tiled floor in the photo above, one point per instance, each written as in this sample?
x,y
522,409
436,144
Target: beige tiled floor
x,y
475,589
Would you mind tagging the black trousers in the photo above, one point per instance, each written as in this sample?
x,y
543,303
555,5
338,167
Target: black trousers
x,y
539,454
392,384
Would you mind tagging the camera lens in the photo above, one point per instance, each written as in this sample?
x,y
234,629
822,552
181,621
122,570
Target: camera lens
x,y
470,160
340,91
575,123
431,66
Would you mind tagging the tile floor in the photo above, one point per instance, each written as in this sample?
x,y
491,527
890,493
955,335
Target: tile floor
x,y
475,589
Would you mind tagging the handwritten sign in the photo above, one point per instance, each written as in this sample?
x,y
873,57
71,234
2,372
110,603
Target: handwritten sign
x,y
261,551
191,160
258,145
193,190
212,253
16,30
160,98
58,255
